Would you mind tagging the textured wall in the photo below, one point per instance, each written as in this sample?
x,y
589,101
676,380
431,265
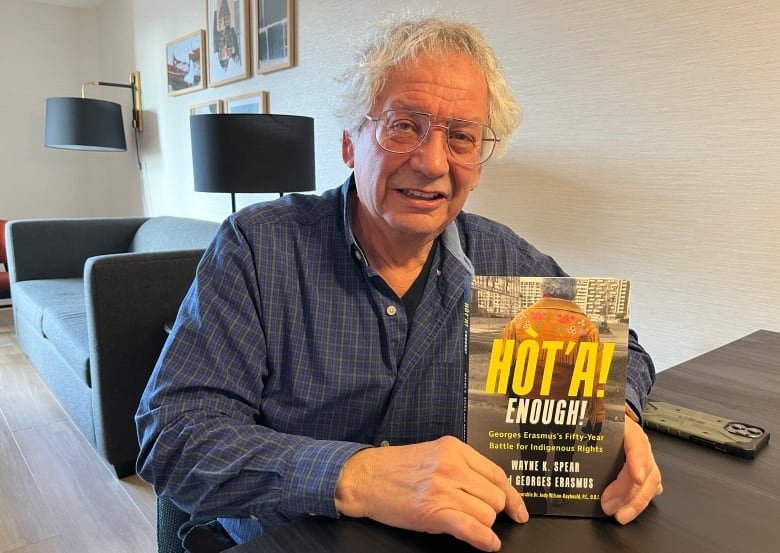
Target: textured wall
x,y
650,148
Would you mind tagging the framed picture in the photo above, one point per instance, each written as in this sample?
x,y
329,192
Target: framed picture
x,y
256,102
214,106
228,40
274,35
185,69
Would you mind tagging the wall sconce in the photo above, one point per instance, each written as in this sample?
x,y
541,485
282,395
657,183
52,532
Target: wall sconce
x,y
91,124
252,153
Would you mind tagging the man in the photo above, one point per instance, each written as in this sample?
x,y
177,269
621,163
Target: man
x,y
318,327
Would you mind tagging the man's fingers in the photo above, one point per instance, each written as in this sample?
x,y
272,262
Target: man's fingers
x,y
468,529
640,498
515,506
638,482
443,486
639,456
613,497
485,490
510,499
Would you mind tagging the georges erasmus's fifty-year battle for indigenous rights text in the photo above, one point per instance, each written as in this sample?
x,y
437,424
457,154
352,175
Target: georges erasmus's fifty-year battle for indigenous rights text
x,y
546,383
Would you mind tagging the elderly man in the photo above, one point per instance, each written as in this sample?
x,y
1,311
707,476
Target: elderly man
x,y
320,328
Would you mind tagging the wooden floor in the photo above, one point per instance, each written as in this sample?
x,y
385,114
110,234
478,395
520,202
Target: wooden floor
x,y
56,494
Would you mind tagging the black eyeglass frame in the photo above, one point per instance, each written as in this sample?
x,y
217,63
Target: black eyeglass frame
x,y
379,124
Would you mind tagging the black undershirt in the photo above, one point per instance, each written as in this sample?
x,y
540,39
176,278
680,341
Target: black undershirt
x,y
414,294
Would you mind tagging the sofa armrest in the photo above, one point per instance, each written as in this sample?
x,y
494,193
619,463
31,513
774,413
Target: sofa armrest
x,y
58,248
129,299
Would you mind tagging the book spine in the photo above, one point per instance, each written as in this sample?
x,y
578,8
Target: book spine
x,y
465,373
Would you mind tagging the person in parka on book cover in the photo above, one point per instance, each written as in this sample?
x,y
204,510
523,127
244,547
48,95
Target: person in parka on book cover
x,y
556,317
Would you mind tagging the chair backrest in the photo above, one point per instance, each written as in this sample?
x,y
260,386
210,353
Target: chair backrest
x,y
169,520
202,538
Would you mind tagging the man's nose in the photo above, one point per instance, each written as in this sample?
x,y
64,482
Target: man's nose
x,y
433,153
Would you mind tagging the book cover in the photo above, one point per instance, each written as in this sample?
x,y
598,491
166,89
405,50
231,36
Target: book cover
x,y
545,385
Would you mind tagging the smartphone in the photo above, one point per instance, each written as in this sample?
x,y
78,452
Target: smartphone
x,y
737,438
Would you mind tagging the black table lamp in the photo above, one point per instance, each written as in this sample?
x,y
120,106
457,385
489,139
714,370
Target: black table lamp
x,y
252,153
91,124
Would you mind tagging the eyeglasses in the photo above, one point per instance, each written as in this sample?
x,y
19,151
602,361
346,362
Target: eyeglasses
x,y
403,131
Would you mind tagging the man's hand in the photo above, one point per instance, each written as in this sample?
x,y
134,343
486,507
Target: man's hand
x,y
443,486
637,483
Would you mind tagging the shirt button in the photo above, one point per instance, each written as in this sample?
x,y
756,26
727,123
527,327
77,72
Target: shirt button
x,y
391,310
358,255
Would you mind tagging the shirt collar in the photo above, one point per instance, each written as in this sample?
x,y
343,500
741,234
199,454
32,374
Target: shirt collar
x,y
352,243
450,237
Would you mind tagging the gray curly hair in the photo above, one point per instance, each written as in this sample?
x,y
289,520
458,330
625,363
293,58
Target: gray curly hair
x,y
399,39
560,287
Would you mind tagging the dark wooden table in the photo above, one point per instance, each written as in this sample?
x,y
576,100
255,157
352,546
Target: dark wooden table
x,y
712,501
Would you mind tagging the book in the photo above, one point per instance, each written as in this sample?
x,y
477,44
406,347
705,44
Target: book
x,y
545,385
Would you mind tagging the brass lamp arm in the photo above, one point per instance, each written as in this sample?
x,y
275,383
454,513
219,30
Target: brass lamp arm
x,y
135,85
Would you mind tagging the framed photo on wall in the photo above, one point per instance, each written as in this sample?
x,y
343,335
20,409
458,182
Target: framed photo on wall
x,y
185,68
214,106
227,29
274,34
256,102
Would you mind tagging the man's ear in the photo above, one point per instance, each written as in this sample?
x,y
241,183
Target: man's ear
x,y
347,149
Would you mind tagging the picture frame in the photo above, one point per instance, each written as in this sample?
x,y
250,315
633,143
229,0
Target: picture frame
x,y
227,30
185,71
210,107
254,102
274,35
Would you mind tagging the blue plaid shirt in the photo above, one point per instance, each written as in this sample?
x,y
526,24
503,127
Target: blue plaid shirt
x,y
289,354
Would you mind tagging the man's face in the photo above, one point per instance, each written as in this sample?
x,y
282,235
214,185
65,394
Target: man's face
x,y
416,195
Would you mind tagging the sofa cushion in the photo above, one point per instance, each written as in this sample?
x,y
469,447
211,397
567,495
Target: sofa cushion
x,y
32,296
173,233
56,307
66,328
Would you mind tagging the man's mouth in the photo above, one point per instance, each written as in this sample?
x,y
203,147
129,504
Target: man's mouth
x,y
422,195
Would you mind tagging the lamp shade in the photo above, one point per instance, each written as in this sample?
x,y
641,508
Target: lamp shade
x,y
84,124
252,153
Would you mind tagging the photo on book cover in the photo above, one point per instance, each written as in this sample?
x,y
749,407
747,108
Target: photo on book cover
x,y
547,360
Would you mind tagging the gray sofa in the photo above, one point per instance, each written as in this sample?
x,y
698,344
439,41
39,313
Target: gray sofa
x,y
90,299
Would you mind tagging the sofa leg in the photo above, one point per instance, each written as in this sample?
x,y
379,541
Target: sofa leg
x,y
124,469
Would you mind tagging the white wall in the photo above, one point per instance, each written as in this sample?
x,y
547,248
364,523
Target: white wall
x,y
650,147
50,51
651,150
122,180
